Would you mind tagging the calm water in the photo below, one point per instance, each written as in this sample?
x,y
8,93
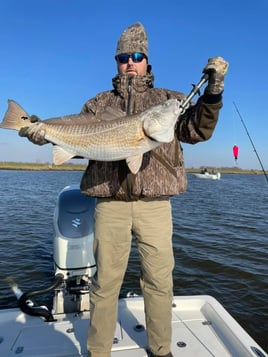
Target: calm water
x,y
220,241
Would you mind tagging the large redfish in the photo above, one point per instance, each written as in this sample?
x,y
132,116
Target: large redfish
x,y
112,136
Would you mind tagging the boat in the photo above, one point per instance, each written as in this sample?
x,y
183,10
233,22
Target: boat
x,y
207,175
200,324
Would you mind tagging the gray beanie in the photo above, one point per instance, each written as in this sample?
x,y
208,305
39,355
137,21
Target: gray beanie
x,y
133,39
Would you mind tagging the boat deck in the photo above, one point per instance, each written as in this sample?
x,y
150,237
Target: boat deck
x,y
201,328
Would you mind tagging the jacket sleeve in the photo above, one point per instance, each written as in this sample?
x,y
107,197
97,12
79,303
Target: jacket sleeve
x,y
200,119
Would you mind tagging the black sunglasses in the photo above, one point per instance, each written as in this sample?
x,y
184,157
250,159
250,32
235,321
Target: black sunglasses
x,y
124,57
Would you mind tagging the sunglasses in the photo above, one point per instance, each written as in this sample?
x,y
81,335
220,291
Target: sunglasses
x,y
136,57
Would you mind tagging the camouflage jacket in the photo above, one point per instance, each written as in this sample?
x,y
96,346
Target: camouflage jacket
x,y
162,172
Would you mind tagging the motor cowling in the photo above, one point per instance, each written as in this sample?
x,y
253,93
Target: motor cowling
x,y
73,240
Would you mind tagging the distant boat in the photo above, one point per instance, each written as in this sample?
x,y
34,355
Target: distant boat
x,y
207,175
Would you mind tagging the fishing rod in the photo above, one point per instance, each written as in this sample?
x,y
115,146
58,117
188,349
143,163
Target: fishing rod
x,y
242,121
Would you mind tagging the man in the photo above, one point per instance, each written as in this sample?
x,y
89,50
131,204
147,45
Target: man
x,y
140,204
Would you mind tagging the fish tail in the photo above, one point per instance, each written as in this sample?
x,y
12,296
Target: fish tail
x,y
15,117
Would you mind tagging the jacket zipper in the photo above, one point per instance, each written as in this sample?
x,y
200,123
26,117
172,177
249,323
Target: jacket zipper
x,y
128,111
129,93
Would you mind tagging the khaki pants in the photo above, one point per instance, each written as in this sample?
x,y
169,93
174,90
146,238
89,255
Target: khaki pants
x,y
151,223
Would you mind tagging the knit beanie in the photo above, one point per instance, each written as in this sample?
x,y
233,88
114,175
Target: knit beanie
x,y
133,39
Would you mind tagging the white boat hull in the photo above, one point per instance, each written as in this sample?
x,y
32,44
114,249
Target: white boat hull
x,y
201,328
206,175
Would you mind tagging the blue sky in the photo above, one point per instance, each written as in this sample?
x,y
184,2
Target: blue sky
x,y
56,54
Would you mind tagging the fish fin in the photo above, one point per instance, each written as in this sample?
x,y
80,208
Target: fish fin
x,y
111,113
15,117
134,163
61,155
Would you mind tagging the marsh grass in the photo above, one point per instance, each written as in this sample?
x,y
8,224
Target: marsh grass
x,y
81,167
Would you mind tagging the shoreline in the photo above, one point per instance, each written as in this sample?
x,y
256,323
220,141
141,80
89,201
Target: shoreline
x,y
81,167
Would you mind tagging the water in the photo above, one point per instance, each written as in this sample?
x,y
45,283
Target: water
x,y
220,241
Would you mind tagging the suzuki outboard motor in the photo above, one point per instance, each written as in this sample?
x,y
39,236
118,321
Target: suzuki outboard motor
x,y
73,249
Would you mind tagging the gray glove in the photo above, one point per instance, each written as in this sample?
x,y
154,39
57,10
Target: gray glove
x,y
216,69
33,133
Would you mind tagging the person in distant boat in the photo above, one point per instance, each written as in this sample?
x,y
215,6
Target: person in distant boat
x,y
139,204
203,171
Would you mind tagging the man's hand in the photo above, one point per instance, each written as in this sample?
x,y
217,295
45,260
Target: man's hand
x,y
34,118
216,69
33,133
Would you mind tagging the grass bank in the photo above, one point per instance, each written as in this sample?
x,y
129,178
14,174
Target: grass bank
x,y
29,166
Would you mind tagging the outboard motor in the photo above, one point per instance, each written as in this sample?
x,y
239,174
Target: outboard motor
x,y
73,249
